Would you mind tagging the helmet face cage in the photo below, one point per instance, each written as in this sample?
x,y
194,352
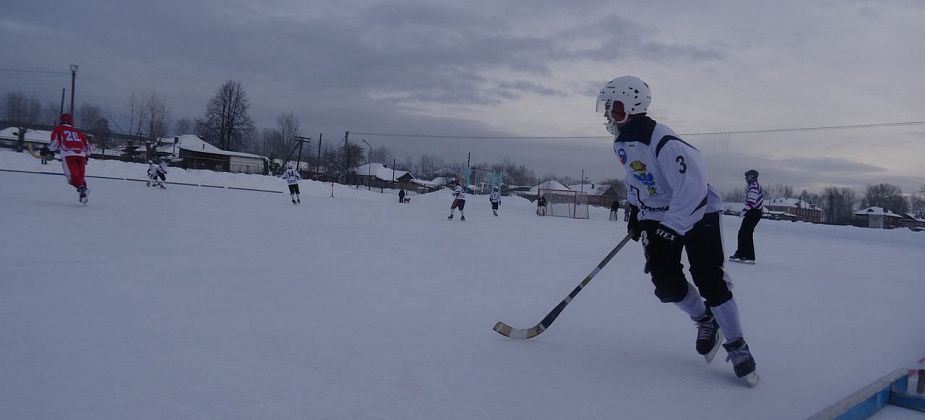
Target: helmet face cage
x,y
622,97
751,175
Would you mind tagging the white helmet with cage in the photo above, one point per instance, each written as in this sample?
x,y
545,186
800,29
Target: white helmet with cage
x,y
622,97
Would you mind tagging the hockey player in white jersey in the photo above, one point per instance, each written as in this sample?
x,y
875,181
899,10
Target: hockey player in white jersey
x,y
152,174
675,209
495,199
459,201
161,171
292,179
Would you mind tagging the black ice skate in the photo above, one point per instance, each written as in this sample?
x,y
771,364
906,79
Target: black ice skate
x,y
450,217
742,361
83,191
709,336
462,218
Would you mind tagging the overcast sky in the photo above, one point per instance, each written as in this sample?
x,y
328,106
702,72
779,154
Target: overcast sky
x,y
515,68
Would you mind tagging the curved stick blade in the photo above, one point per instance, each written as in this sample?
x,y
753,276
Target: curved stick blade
x,y
518,333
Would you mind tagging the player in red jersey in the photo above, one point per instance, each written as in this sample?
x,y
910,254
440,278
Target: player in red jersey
x,y
73,148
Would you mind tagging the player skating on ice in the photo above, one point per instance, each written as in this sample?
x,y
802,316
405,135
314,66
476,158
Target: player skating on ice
x,y
459,201
161,170
152,174
73,148
754,205
675,209
495,199
291,175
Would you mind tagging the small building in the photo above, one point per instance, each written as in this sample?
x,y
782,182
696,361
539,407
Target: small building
x,y
878,218
380,176
796,209
909,220
194,153
598,194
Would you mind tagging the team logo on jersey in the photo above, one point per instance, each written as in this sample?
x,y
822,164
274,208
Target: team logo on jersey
x,y
644,178
622,155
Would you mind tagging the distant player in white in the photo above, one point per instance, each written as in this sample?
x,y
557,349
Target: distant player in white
x,y
459,201
161,171
675,209
292,179
495,199
152,174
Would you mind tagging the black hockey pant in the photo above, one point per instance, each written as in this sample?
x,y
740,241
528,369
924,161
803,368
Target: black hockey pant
x,y
746,247
704,245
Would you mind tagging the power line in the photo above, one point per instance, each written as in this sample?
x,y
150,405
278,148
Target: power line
x,y
770,130
34,71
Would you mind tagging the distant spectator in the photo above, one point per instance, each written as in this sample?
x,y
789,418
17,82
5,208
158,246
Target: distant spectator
x,y
754,205
614,207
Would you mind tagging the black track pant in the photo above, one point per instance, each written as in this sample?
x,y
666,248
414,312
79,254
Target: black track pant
x,y
704,245
746,247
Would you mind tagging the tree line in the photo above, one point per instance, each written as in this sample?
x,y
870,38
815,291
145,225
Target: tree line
x,y
226,124
839,203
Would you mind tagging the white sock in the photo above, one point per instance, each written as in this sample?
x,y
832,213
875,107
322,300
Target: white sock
x,y
692,304
727,315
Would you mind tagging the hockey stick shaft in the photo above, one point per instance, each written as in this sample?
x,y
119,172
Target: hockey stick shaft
x,y
520,333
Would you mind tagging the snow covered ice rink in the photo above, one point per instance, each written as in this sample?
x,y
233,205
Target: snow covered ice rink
x,y
204,303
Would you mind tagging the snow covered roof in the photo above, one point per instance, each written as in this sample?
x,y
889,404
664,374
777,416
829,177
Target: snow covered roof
x,y
32,136
551,184
193,143
428,184
876,211
380,171
591,189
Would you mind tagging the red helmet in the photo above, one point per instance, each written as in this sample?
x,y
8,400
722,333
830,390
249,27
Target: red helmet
x,y
67,119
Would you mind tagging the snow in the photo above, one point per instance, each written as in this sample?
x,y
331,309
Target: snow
x,y
230,304
33,136
876,211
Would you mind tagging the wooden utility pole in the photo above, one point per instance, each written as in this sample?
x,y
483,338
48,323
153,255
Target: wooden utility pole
x,y
301,140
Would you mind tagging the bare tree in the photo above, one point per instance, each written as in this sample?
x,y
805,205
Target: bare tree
x,y
737,195
23,113
184,126
779,191
887,196
92,120
272,144
381,154
88,115
917,202
51,114
839,205
288,127
429,164
226,118
155,117
136,115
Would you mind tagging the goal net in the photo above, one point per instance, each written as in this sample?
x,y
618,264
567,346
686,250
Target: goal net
x,y
482,181
566,203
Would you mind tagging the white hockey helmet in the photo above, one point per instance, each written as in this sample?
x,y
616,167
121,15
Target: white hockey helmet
x,y
622,97
291,165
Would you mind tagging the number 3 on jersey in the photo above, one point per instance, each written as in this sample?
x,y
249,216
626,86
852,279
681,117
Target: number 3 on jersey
x,y
680,160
